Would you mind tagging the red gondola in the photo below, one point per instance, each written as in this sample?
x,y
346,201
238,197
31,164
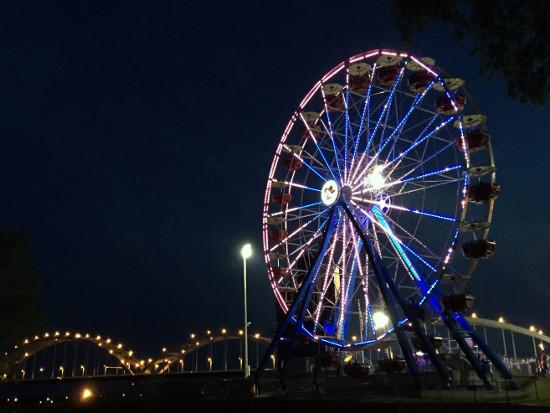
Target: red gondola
x,y
277,235
279,272
293,163
387,75
419,81
481,248
281,199
483,192
359,77
476,140
444,104
334,97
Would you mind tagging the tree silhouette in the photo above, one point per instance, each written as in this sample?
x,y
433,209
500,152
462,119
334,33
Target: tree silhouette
x,y
511,37
18,289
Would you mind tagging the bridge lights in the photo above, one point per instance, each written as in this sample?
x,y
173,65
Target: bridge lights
x,y
192,335
257,335
501,319
532,328
474,315
240,332
164,349
224,331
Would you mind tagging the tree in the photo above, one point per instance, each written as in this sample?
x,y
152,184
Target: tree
x,y
18,289
511,37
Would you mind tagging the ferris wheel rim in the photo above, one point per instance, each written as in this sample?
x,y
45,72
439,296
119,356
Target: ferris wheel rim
x,y
283,146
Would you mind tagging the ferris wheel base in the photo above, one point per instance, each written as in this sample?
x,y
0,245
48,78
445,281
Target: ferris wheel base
x,y
293,323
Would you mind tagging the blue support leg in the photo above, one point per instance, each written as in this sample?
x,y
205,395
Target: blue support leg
x,y
488,351
457,334
305,290
383,281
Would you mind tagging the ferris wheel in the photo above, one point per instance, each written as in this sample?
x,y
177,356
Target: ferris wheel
x,y
380,174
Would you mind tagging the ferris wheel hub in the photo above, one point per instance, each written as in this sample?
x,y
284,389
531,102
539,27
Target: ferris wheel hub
x,y
330,192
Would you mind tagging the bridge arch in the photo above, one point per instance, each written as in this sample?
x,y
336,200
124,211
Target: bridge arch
x,y
21,361
164,363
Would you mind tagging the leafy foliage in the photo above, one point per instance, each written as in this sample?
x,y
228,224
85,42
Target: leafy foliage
x,y
18,288
511,37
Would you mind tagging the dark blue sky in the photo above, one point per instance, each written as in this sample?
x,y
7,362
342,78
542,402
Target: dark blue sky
x,y
137,138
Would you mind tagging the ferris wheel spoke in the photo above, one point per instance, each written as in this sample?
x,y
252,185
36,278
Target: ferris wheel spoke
x,y
385,108
299,229
286,211
296,185
312,136
423,161
427,174
425,187
326,282
381,204
398,129
346,129
414,239
380,116
304,247
404,244
403,180
428,159
304,162
331,132
396,244
365,111
363,278
422,139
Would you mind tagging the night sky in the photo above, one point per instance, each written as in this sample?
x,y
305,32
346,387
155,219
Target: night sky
x,y
136,141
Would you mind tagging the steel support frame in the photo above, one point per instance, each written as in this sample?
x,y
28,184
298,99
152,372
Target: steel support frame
x,y
384,282
488,351
301,301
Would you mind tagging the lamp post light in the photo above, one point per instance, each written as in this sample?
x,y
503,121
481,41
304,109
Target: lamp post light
x,y
532,329
501,320
246,253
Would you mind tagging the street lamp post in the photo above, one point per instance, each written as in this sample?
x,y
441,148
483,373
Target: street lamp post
x,y
246,252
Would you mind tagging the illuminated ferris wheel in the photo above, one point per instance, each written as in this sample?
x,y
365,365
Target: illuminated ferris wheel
x,y
378,177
